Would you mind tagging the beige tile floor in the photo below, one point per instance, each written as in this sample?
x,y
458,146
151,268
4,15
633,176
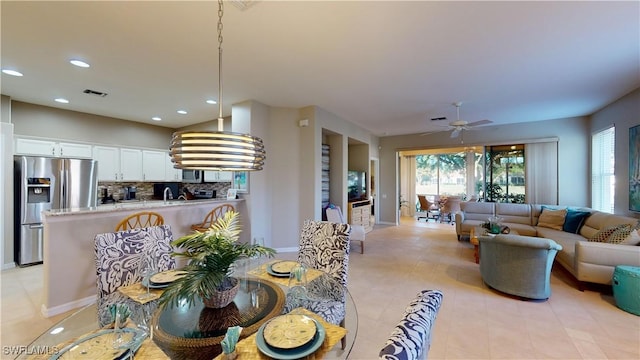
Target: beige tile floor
x,y
474,322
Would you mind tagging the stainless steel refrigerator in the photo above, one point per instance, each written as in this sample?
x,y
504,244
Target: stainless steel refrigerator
x,y
44,183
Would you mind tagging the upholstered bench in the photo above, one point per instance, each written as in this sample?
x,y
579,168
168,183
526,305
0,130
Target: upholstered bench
x,y
411,338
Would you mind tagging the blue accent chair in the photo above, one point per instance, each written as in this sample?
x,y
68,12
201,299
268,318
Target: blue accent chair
x,y
518,265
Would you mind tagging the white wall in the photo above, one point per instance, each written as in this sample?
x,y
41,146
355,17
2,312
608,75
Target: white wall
x,y
624,114
573,156
44,121
6,186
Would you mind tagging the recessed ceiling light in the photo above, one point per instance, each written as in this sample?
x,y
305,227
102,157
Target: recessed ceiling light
x,y
156,118
57,330
61,100
79,63
182,112
11,72
212,102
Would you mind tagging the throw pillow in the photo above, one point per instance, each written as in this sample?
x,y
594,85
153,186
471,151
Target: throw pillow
x,y
620,235
604,233
553,219
574,220
632,239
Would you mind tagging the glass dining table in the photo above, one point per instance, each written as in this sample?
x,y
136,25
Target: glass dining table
x,y
182,332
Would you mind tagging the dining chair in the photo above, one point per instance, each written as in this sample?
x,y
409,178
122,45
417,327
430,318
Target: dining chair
x,y
324,246
426,209
334,214
212,216
140,219
411,338
118,255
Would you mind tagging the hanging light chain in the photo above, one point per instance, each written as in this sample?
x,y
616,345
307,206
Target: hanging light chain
x,y
220,13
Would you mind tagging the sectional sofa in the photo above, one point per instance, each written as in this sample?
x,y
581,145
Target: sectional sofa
x,y
587,261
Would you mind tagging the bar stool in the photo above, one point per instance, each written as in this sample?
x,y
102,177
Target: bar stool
x,y
141,219
212,216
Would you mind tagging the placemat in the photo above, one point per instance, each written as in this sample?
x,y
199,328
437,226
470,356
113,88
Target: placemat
x,y
134,290
261,272
248,350
148,349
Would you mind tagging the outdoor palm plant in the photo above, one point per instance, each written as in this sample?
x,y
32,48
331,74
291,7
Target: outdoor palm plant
x,y
211,257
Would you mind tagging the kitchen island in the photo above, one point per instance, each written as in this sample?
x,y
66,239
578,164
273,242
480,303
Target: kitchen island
x,y
69,259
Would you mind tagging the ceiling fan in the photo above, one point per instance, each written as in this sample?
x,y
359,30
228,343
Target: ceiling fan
x,y
458,126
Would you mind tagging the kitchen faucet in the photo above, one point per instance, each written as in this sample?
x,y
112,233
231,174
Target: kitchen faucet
x,y
168,195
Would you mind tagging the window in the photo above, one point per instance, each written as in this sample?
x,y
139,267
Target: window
x,y
602,170
441,174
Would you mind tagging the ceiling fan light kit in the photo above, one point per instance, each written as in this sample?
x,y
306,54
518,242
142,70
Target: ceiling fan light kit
x,y
458,125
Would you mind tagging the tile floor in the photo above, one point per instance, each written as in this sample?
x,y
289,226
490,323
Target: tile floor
x,y
474,322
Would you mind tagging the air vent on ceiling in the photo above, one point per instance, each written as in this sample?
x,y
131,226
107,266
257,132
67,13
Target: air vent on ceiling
x,y
96,93
439,118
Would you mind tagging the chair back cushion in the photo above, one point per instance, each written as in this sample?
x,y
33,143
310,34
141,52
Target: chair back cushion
x,y
477,210
411,338
118,255
325,246
334,215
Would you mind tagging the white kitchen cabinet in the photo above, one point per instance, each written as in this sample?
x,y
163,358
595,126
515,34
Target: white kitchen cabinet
x,y
27,146
171,173
131,164
35,147
218,176
118,164
153,165
74,150
108,162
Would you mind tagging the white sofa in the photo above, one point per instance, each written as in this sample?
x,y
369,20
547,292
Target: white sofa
x,y
592,262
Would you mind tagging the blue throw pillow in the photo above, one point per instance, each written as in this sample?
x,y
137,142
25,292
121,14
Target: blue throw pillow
x,y
574,220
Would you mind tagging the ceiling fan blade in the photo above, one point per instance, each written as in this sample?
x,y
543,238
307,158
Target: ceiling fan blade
x,y
456,132
481,122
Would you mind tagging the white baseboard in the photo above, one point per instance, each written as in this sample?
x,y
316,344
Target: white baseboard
x,y
287,250
7,266
48,312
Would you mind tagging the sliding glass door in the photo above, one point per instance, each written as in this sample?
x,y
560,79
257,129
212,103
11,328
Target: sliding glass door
x,y
505,174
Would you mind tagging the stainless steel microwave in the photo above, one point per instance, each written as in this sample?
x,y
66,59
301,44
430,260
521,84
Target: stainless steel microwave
x,y
192,176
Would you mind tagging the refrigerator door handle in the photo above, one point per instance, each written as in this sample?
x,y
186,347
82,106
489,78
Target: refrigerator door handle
x,y
40,226
64,174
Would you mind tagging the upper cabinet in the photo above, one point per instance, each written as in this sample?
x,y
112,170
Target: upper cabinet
x,y
218,176
114,163
118,164
27,146
154,165
171,173
108,162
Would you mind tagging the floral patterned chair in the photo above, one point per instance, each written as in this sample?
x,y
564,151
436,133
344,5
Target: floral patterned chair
x,y
118,255
411,338
324,246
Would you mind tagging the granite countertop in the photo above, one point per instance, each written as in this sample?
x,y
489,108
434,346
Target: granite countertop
x,y
134,205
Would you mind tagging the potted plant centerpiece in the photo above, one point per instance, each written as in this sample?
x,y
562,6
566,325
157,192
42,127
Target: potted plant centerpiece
x,y
211,255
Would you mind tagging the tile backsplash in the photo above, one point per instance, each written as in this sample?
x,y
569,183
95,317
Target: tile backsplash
x,y
144,190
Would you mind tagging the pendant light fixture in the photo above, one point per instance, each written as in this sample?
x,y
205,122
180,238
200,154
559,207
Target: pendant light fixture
x,y
217,150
